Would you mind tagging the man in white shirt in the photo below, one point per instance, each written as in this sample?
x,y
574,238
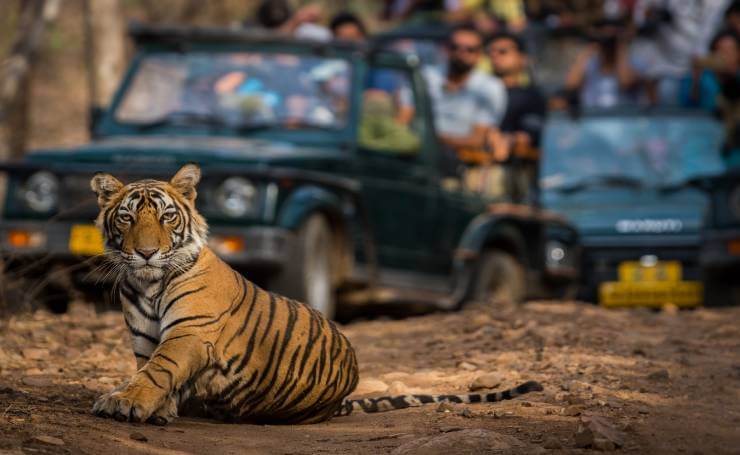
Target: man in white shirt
x,y
467,103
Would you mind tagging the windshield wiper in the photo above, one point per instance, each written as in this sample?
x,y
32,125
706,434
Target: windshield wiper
x,y
610,180
189,118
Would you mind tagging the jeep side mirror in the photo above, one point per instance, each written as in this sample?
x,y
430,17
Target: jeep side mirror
x,y
95,116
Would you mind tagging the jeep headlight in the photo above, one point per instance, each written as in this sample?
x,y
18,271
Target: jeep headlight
x,y
237,197
557,255
41,192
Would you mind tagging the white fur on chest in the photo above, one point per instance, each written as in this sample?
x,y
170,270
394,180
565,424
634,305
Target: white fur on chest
x,y
139,309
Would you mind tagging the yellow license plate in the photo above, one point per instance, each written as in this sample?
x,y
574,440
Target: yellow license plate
x,y
655,294
634,272
650,285
86,240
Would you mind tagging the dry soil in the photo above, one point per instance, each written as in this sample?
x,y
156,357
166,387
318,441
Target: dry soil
x,y
633,381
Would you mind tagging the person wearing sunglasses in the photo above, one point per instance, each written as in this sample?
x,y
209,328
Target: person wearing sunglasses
x,y
468,103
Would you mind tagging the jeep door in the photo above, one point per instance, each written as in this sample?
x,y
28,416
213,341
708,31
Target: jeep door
x,y
399,189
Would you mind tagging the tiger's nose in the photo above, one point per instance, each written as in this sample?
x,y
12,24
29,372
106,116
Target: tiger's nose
x,y
146,253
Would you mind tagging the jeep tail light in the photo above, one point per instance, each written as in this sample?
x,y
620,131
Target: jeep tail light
x,y
19,238
227,245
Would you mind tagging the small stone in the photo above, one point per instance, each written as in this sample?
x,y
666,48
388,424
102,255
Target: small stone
x,y
480,319
552,443
628,427
35,353
397,388
369,385
467,413
525,404
569,398
78,336
449,429
136,436
604,445
670,309
37,381
583,437
597,432
571,411
50,440
467,366
445,407
575,399
486,381
660,375
643,411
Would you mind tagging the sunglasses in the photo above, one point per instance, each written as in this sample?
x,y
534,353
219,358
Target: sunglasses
x,y
501,50
469,49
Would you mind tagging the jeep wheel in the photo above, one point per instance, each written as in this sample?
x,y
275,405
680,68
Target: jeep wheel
x,y
499,278
307,275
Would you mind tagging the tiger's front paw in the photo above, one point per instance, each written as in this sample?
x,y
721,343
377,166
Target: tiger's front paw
x,y
165,414
133,404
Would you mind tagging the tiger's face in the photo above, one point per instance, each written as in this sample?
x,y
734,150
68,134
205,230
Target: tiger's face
x,y
150,227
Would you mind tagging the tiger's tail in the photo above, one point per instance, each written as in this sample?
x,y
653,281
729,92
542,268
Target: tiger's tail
x,y
388,403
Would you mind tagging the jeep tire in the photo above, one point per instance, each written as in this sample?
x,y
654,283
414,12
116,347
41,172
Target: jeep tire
x,y
307,273
499,277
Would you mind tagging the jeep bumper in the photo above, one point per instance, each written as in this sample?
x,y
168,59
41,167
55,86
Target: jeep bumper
x,y
255,247
720,249
603,256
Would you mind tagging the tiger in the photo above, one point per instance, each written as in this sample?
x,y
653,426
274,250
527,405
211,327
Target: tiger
x,y
202,333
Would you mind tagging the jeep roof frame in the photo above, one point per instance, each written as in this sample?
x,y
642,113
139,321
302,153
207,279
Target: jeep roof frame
x,y
179,36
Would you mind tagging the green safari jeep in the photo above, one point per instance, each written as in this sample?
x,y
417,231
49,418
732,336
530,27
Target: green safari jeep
x,y
323,178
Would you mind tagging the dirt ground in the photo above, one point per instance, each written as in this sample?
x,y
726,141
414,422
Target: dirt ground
x,y
635,381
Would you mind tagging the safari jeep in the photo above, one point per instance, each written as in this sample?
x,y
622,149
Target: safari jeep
x,y
625,179
312,184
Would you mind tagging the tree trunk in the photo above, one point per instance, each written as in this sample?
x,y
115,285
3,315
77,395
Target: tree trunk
x,y
105,36
15,70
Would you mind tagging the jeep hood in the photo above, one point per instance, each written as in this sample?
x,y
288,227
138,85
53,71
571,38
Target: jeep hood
x,y
628,212
173,150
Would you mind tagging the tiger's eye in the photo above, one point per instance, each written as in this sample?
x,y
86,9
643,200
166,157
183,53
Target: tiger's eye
x,y
125,218
169,217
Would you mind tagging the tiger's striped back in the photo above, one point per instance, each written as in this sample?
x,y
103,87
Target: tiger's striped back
x,y
278,360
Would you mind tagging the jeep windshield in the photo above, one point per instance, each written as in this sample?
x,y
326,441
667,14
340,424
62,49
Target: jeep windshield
x,y
236,92
630,150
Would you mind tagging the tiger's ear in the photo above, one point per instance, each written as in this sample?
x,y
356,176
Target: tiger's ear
x,y
105,186
186,179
